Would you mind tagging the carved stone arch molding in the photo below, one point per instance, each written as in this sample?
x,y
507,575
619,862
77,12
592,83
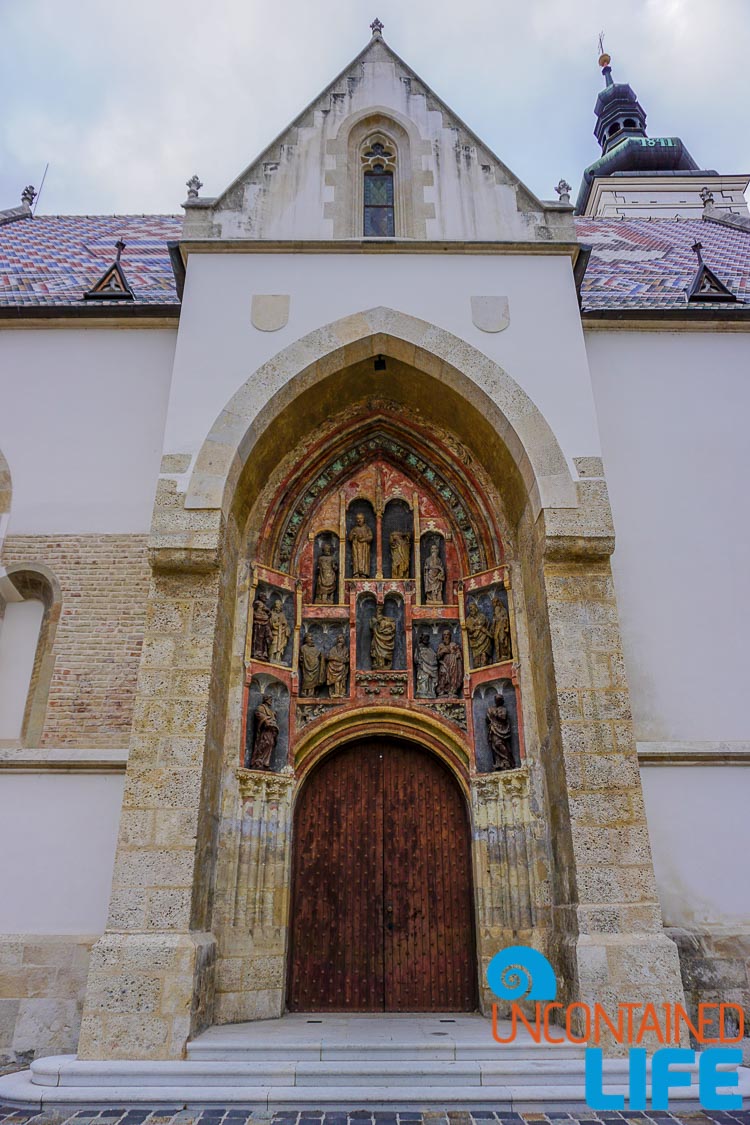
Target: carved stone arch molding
x,y
200,902
538,472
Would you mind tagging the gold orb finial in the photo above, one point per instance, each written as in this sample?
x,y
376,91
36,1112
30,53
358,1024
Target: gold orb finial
x,y
604,60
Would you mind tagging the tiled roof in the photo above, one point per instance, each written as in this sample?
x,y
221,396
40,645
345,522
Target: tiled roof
x,y
55,259
649,263
52,260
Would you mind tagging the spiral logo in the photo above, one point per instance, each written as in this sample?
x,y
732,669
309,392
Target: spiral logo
x,y
521,973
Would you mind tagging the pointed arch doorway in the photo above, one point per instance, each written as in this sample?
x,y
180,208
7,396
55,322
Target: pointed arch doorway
x,y
382,902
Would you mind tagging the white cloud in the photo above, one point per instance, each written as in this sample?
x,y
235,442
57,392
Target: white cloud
x,y
127,101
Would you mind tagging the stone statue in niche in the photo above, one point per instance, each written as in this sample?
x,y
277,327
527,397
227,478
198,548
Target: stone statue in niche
x,y
266,735
450,666
311,666
480,637
500,735
383,639
426,664
337,668
261,628
434,576
326,583
501,630
280,632
400,543
360,538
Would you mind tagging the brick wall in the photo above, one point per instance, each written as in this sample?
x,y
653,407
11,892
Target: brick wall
x,y
104,581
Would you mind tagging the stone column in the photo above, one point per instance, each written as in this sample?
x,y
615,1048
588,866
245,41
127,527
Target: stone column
x,y
151,978
608,923
251,909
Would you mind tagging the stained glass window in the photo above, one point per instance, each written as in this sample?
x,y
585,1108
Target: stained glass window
x,y
379,214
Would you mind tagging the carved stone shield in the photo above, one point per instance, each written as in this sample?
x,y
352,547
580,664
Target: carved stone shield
x,y
270,311
490,314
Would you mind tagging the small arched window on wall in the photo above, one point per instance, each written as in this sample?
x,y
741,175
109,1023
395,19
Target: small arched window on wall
x,y
29,611
379,163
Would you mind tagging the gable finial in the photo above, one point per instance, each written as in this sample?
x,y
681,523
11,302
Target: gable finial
x,y
697,247
28,195
193,185
376,27
119,246
563,189
707,196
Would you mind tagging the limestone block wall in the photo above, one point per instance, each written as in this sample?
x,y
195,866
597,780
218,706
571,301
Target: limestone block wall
x,y
42,983
104,582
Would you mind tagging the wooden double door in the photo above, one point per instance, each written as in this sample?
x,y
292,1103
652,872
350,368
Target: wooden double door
x,y
382,905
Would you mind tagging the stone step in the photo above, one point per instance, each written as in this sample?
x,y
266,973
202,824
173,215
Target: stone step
x,y
135,1087
202,1051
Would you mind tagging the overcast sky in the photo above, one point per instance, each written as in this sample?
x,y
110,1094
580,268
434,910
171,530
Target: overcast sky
x,y
127,99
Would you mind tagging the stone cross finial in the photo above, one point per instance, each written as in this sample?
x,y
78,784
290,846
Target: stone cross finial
x,y
194,186
707,196
376,28
564,189
28,195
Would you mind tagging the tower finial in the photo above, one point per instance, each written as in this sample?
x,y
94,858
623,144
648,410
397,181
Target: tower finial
x,y
604,61
376,27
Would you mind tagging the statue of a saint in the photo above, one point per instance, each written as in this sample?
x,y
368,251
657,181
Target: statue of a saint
x,y
426,664
326,584
261,628
400,543
337,667
450,666
480,637
280,632
500,735
360,538
501,630
311,666
266,735
383,639
434,576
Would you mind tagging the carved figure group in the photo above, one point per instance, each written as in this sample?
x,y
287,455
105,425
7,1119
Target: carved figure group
x,y
400,544
360,538
383,639
317,668
501,630
434,576
327,579
426,665
261,628
266,735
500,735
450,666
479,635
280,632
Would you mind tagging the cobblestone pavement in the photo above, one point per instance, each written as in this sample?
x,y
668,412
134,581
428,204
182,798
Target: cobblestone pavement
x,y
234,1116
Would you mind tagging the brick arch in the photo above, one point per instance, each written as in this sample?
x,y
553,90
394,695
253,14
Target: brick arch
x,y
438,354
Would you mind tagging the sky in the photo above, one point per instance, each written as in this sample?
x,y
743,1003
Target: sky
x,y
127,100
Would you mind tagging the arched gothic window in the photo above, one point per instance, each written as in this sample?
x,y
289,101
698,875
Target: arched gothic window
x,y
378,158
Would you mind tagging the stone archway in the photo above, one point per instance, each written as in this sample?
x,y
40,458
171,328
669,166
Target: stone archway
x,y
573,822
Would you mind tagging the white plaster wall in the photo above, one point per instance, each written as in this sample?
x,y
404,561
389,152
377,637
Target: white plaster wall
x,y
542,349
673,415
57,838
81,425
19,635
700,838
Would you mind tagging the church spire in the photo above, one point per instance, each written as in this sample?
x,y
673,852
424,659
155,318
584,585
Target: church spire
x,y
619,114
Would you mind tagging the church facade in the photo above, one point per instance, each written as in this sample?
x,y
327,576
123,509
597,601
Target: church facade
x,y
373,584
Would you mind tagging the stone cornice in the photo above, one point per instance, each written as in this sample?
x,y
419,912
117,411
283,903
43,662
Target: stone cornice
x,y
20,759
372,246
